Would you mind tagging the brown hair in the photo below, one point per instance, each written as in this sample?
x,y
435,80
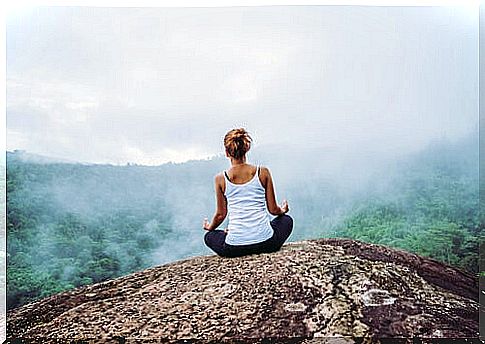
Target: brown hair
x,y
237,142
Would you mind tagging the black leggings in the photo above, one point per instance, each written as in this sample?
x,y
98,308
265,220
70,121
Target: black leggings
x,y
282,227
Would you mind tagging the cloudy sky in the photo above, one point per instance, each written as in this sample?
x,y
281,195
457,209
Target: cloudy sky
x,y
151,85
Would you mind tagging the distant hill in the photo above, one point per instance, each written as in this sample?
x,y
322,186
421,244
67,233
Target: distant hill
x,y
71,224
23,155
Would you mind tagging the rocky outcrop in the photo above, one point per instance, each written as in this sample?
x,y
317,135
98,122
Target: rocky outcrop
x,y
309,290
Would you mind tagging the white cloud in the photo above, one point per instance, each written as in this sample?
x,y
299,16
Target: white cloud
x,y
157,82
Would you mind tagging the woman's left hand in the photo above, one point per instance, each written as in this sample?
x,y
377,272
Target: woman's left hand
x,y
206,224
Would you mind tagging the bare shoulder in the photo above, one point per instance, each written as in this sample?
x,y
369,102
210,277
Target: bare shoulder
x,y
218,178
264,174
219,181
264,171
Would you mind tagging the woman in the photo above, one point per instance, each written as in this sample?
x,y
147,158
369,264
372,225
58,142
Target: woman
x,y
245,191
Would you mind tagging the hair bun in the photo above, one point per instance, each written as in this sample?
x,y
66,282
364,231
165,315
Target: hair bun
x,y
237,142
240,133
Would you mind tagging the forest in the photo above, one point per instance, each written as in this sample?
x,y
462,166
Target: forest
x,y
72,224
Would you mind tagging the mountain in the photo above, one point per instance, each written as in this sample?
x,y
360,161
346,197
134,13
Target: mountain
x,y
308,290
23,155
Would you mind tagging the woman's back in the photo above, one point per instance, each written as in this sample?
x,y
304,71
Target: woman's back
x,y
247,194
249,221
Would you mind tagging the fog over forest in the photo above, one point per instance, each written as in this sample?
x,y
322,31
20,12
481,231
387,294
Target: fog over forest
x,y
366,116
67,220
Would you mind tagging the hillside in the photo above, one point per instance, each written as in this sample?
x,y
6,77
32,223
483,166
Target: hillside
x,y
70,224
309,289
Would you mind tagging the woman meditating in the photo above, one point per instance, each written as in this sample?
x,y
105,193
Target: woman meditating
x,y
245,191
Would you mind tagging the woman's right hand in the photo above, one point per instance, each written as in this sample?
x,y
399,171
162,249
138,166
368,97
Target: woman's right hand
x,y
284,206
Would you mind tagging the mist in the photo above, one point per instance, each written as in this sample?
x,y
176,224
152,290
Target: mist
x,y
367,118
74,224
170,201
153,85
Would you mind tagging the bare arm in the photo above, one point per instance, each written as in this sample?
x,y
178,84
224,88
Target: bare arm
x,y
267,182
221,205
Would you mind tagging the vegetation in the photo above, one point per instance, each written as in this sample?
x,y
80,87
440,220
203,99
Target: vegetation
x,y
434,210
61,236
70,225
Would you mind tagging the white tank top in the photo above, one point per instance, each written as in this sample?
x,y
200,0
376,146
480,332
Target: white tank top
x,y
249,222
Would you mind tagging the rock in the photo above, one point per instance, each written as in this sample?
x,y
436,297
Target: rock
x,y
314,291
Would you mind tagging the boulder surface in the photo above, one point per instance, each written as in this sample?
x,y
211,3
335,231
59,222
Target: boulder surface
x,y
309,291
